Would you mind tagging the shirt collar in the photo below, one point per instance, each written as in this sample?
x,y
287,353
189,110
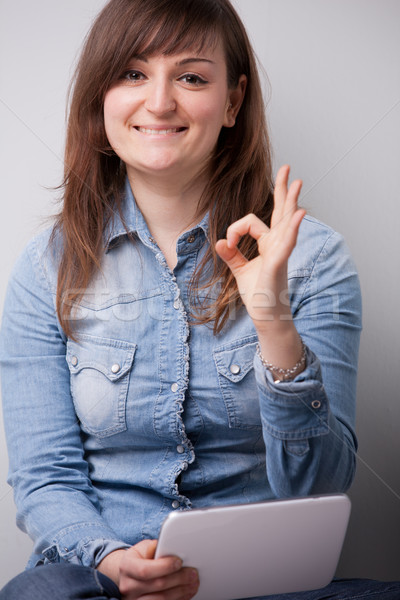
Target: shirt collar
x,y
132,221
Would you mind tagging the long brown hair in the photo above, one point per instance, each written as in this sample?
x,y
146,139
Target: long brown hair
x,y
241,180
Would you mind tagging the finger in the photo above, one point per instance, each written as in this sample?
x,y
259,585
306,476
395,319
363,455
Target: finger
x,y
137,566
250,224
282,178
294,193
280,190
231,256
293,229
288,206
147,548
185,582
295,223
182,592
187,576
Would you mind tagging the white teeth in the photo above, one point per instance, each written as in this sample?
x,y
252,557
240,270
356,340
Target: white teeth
x,y
157,131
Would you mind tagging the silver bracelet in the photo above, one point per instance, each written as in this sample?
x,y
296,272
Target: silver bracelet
x,y
284,374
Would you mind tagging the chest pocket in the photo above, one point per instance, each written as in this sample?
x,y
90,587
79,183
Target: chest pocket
x,y
100,370
237,382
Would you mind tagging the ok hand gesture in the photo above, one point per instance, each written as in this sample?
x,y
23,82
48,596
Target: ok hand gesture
x,y
262,281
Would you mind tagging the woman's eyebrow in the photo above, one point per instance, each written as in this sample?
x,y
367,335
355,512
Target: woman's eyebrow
x,y
179,63
194,59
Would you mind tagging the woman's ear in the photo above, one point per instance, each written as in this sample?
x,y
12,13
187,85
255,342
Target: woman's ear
x,y
235,100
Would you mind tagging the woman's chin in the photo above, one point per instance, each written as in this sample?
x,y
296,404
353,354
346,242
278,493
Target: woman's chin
x,y
158,168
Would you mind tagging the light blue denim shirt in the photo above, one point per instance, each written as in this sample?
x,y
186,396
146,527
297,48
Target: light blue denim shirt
x,y
147,412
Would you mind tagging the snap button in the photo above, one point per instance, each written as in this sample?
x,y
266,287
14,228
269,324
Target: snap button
x,y
316,404
235,369
176,504
191,239
115,368
74,361
180,449
174,387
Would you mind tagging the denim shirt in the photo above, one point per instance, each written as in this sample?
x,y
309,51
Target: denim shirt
x,y
147,412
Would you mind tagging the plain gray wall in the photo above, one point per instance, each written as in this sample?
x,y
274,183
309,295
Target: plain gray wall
x,y
334,111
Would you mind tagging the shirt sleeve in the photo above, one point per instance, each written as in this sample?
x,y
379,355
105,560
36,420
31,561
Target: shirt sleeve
x,y
309,422
56,502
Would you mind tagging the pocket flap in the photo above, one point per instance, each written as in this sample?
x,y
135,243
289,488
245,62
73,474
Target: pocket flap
x,y
235,360
113,358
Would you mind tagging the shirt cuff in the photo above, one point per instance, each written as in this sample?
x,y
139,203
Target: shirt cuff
x,y
99,549
295,409
83,544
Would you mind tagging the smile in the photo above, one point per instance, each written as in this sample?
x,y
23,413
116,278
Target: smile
x,y
170,131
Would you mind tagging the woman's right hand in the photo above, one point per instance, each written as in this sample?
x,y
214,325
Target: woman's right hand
x,y
140,576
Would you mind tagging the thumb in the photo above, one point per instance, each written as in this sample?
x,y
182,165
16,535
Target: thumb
x,y
147,548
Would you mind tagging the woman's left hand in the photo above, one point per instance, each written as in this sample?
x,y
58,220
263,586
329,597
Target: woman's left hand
x,y
262,281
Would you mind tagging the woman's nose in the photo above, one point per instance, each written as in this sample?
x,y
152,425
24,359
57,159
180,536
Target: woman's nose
x,y
160,98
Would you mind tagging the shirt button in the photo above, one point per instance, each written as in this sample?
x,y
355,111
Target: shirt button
x,y
115,368
180,449
74,361
176,304
174,387
235,369
316,404
176,504
191,239
185,466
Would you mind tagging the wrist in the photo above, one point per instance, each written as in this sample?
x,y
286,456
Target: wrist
x,y
284,374
282,351
110,565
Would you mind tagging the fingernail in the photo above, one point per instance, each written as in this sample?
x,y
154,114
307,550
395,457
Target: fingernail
x,y
178,564
193,575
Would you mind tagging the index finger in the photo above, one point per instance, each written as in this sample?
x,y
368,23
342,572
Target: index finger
x,y
250,224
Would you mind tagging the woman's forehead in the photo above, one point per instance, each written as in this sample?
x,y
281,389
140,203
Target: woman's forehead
x,y
206,54
177,42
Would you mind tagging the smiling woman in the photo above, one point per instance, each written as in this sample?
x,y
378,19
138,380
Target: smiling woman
x,y
165,114
184,336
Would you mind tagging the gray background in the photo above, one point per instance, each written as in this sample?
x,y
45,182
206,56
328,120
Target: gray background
x,y
333,92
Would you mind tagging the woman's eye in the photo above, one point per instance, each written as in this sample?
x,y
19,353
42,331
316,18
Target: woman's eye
x,y
193,79
133,76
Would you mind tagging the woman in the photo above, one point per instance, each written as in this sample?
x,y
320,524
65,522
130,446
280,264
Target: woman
x,y
184,336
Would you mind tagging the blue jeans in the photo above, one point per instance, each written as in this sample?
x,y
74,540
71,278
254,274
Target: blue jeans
x,y
73,582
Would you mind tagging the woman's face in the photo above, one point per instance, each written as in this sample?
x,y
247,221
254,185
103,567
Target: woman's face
x,y
164,115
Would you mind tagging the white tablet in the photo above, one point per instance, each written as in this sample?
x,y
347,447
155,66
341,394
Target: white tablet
x,y
273,547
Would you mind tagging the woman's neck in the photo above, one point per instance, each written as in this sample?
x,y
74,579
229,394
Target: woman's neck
x,y
169,208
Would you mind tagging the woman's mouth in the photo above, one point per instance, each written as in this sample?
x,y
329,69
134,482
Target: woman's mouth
x,y
166,131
